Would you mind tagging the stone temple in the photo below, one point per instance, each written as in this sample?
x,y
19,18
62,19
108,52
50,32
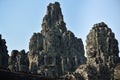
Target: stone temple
x,y
55,52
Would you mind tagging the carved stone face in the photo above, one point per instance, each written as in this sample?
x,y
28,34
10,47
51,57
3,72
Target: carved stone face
x,y
91,52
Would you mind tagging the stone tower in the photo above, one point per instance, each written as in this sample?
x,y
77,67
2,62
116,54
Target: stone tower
x,y
102,51
55,50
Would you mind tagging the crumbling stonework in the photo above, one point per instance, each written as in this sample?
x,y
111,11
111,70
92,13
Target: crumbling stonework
x,y
3,53
18,61
55,51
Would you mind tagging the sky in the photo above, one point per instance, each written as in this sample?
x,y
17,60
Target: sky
x,y
19,19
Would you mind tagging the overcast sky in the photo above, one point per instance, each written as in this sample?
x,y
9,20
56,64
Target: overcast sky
x,y
19,19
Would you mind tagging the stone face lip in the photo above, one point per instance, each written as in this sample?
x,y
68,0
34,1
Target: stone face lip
x,y
102,54
3,53
55,51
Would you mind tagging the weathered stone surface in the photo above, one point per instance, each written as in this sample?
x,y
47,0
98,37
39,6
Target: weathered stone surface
x,y
55,51
102,54
3,53
18,61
